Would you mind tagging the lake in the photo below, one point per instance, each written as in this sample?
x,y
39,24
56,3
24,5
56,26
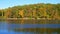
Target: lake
x,y
13,27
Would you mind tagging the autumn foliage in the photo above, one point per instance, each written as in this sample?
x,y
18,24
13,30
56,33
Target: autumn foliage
x,y
47,11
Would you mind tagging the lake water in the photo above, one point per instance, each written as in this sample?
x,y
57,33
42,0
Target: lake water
x,y
8,28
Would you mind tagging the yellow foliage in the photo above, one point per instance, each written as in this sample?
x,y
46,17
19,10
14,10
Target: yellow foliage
x,y
43,11
21,12
34,13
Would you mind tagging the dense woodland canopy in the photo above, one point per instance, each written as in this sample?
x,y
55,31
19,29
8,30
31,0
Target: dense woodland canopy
x,y
39,10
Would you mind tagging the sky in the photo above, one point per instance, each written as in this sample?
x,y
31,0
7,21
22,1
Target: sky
x,y
11,3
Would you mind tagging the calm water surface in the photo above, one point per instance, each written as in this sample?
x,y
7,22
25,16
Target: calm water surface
x,y
5,26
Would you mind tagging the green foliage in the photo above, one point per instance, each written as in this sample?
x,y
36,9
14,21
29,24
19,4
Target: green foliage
x,y
34,11
0,13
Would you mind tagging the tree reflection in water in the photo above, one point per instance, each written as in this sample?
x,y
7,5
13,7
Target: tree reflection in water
x,y
35,30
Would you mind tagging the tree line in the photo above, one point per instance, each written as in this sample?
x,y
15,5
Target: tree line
x,y
39,10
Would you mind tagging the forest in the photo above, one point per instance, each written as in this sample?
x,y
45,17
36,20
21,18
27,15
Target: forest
x,y
40,10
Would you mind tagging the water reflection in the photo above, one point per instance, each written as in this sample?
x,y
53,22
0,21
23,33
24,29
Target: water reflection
x,y
30,26
33,21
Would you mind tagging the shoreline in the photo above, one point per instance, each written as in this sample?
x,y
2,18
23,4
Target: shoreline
x,y
29,18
